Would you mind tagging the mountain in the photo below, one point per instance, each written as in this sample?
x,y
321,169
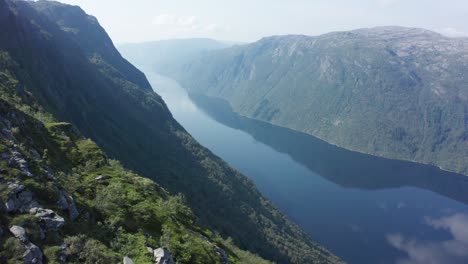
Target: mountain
x,y
356,170
58,64
63,200
165,53
394,92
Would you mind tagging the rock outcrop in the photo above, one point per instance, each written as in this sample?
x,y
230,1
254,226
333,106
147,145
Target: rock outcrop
x,y
32,253
67,203
18,160
47,218
162,256
20,200
128,260
20,233
393,92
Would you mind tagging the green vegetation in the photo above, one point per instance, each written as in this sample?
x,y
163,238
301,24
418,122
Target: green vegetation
x,y
393,92
121,215
67,66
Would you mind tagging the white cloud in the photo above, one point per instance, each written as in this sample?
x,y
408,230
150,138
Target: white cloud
x,y
453,251
186,24
174,20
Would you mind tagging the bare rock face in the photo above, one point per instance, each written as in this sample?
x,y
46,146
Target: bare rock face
x,y
67,203
127,260
19,233
19,200
48,219
18,160
401,94
15,187
162,256
32,255
222,254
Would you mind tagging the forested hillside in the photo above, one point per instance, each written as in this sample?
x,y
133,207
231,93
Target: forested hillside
x,y
58,63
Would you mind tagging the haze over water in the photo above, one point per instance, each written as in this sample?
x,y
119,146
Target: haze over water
x,y
364,209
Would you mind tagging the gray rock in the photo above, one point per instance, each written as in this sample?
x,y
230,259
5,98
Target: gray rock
x,y
42,234
19,233
66,202
101,178
48,219
222,254
25,197
18,160
127,260
72,211
63,255
150,250
10,205
15,187
162,256
19,200
32,255
62,202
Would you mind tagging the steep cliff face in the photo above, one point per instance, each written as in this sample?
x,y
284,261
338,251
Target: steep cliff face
x,y
63,201
390,91
58,60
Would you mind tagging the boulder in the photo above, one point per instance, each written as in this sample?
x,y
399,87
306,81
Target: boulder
x,y
127,260
19,233
162,256
15,187
21,202
101,178
47,218
19,199
66,202
32,255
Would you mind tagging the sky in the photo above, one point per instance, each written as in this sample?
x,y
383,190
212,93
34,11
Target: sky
x,y
249,20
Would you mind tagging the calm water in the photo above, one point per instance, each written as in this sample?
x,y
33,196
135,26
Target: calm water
x,y
362,208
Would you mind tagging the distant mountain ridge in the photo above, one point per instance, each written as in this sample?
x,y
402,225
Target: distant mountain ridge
x,y
58,63
395,92
161,54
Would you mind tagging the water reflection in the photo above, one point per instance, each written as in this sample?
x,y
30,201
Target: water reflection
x,y
356,205
346,168
453,250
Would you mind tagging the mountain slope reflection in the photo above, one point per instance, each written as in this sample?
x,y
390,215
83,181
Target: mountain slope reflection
x,y
343,167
